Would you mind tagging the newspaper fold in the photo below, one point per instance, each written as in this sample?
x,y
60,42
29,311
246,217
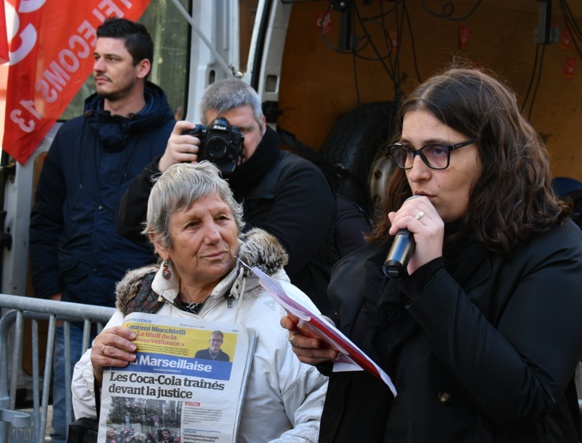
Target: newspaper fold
x,y
351,358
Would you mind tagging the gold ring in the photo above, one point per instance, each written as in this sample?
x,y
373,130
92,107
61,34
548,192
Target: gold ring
x,y
102,350
291,338
419,215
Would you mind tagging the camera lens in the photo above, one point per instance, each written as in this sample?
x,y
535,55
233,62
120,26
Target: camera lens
x,y
216,148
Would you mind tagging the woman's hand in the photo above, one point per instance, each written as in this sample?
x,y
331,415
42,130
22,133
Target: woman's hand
x,y
113,347
420,217
307,346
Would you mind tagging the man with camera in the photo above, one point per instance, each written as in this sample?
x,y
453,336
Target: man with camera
x,y
281,192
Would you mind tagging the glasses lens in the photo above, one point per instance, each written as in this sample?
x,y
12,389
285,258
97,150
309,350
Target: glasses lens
x,y
399,155
437,156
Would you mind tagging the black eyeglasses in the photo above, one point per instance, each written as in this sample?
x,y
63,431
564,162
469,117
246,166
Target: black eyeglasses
x,y
434,156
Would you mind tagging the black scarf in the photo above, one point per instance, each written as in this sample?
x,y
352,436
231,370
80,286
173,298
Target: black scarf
x,y
383,324
389,323
248,175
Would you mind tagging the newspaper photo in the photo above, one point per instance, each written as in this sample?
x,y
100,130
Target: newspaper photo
x,y
187,384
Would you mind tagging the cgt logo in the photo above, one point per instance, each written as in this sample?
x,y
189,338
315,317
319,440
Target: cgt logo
x,y
24,39
23,35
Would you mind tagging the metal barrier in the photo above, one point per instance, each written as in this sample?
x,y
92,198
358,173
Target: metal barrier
x,y
16,426
15,310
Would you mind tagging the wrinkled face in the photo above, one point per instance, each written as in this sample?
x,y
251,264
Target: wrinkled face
x,y
215,342
204,241
448,189
244,118
115,75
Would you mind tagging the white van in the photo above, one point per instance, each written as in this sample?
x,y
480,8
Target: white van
x,y
197,42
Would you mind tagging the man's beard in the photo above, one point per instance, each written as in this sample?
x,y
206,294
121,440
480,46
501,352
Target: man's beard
x,y
117,95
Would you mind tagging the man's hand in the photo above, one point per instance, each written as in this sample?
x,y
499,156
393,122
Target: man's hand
x,y
181,148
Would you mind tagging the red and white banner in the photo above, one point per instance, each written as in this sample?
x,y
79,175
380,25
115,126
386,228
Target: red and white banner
x,y
3,35
51,44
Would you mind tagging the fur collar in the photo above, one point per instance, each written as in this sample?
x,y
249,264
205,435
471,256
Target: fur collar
x,y
256,248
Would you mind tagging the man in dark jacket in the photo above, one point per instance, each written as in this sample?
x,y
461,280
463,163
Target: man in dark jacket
x,y
76,255
213,352
282,193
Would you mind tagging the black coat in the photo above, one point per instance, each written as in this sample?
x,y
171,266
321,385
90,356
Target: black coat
x,y
491,360
206,355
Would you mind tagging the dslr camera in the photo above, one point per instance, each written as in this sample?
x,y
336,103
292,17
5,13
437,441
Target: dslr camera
x,y
221,143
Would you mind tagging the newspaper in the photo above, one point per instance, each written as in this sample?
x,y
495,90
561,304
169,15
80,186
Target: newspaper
x,y
351,358
177,386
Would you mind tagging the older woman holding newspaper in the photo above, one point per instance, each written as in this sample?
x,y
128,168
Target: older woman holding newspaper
x,y
195,225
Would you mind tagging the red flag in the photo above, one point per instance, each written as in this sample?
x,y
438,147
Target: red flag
x,y
51,56
3,35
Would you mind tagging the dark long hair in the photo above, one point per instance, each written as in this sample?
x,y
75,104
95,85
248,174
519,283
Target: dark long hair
x,y
512,199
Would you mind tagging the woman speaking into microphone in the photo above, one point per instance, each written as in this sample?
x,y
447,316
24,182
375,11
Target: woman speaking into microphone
x,y
482,331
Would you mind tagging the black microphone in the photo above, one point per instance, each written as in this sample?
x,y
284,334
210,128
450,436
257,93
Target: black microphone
x,y
400,252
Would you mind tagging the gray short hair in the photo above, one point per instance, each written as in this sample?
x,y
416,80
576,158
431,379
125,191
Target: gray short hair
x,y
180,186
224,95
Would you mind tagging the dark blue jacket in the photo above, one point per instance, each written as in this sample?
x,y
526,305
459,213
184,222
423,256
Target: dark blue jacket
x,y
74,248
